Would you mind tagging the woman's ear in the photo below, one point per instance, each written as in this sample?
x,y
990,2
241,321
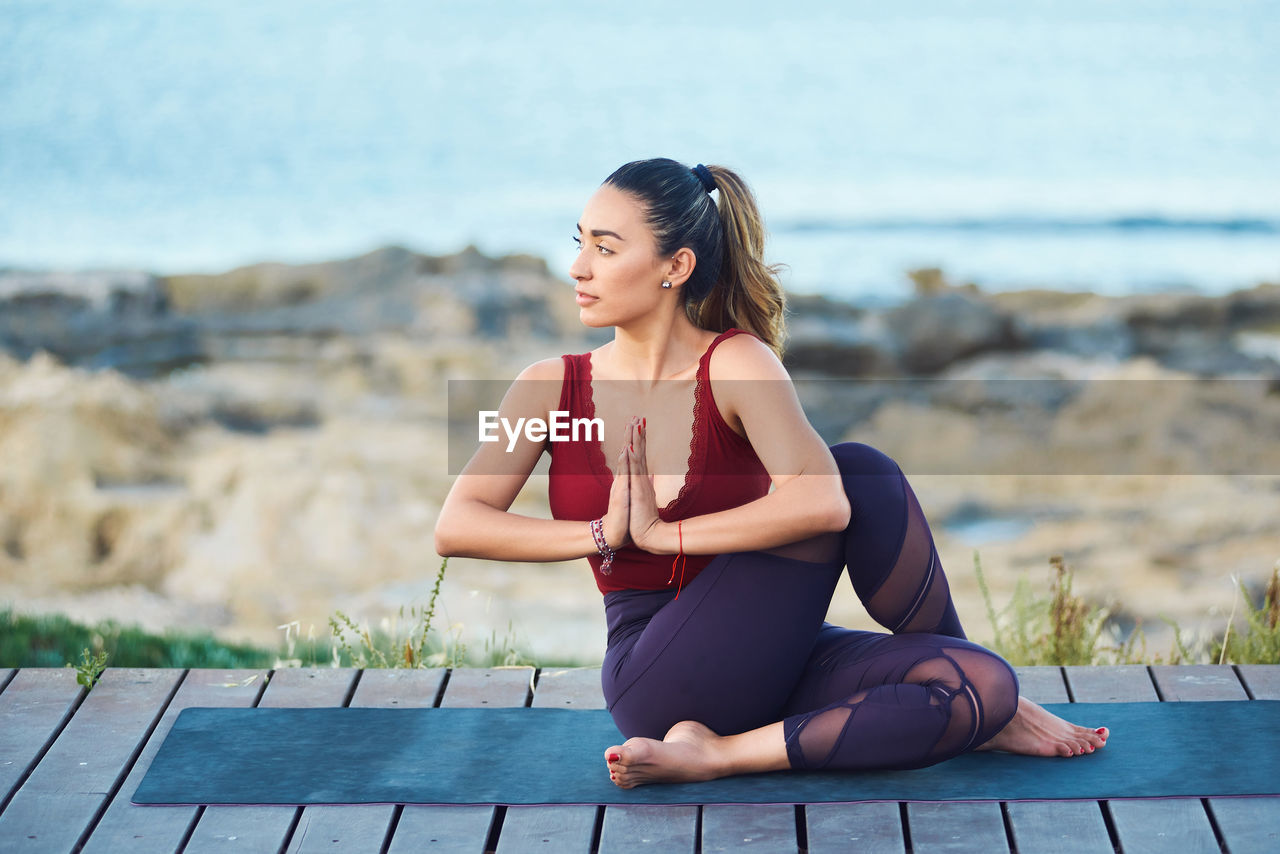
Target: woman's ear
x,y
681,266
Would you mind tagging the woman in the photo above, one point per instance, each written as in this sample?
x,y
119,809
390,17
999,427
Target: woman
x,y
718,659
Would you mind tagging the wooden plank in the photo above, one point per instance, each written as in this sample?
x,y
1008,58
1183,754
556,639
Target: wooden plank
x,y
575,687
398,688
1201,682
1065,826
755,827
1059,827
952,826
1262,680
139,829
461,828
364,827
625,828
267,828
500,687
66,791
1123,683
1245,824
657,828
556,828
33,708
1248,825
1042,684
839,828
1159,825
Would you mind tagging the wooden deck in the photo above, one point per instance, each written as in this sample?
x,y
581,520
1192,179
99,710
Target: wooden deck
x,y
69,761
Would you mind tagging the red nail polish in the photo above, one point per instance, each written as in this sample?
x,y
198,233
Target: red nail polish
x,y
613,757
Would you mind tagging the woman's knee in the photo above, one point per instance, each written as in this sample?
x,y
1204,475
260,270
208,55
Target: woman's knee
x,y
856,458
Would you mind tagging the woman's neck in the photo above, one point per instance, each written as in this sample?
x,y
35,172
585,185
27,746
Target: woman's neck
x,y
656,351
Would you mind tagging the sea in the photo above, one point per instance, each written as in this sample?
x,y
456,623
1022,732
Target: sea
x,y
1119,147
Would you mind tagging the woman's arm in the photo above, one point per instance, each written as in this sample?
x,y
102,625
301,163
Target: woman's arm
x,y
475,520
752,389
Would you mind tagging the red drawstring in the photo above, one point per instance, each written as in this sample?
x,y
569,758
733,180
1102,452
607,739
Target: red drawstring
x,y
679,557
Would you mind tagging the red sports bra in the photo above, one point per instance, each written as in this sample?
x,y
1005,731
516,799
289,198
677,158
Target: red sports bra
x,y
724,472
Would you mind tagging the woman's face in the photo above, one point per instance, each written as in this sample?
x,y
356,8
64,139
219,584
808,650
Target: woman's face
x,y
618,272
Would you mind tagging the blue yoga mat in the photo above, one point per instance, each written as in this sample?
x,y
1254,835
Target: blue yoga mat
x,y
554,756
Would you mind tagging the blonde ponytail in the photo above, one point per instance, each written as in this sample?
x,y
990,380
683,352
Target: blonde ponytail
x,y
748,294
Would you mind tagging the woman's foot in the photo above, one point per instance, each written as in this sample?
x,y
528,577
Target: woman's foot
x,y
1035,732
689,753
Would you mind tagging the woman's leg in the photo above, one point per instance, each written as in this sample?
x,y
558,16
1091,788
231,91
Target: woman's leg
x,y
856,699
727,653
889,548
870,700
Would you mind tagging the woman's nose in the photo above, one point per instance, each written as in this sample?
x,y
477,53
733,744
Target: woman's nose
x,y
579,269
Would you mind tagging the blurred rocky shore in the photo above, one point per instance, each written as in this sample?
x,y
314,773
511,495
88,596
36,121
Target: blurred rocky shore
x,y
249,449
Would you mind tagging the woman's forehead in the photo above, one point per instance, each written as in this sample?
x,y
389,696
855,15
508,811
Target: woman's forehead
x,y
611,209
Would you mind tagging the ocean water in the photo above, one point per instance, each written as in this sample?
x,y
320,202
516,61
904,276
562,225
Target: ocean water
x,y
1120,147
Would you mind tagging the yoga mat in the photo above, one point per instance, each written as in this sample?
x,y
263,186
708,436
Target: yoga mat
x,y
555,756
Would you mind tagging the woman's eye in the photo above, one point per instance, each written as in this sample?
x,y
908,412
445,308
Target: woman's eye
x,y
603,249
577,241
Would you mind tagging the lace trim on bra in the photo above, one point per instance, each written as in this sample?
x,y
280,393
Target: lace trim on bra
x,y
697,442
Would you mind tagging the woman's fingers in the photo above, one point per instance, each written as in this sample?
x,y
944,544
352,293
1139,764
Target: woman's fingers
x,y
617,520
644,505
642,461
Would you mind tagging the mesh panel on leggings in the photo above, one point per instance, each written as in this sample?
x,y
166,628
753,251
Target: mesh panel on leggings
x,y
946,705
914,595
821,548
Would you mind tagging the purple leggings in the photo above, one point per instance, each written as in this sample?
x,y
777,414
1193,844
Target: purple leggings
x,y
746,644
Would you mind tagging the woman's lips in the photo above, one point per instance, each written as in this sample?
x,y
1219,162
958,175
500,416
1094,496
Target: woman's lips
x,y
585,299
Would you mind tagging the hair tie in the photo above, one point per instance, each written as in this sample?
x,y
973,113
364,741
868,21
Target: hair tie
x,y
705,176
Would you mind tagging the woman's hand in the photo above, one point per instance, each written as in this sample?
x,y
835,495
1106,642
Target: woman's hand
x,y
617,518
645,523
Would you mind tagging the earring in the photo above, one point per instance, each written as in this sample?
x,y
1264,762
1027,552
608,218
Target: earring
x,y
666,284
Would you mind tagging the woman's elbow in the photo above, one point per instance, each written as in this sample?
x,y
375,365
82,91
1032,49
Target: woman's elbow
x,y
444,546
839,512
449,541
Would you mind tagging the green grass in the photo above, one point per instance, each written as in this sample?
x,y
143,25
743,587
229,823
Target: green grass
x,y
1032,628
1256,640
1063,629
55,641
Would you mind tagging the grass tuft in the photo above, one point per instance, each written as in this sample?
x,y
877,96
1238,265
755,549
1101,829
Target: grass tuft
x,y
1258,640
1064,629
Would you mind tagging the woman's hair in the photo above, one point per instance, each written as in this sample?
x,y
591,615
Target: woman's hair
x,y
730,284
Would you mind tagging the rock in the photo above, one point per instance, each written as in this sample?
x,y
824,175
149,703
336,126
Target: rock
x,y
273,444
934,331
833,338
147,326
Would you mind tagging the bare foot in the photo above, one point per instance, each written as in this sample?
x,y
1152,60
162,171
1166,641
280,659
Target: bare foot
x,y
1035,732
690,752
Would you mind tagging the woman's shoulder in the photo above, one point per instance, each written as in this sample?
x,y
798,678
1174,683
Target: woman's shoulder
x,y
545,369
745,357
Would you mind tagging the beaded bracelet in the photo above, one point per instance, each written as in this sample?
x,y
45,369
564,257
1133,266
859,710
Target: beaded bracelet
x,y
602,545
